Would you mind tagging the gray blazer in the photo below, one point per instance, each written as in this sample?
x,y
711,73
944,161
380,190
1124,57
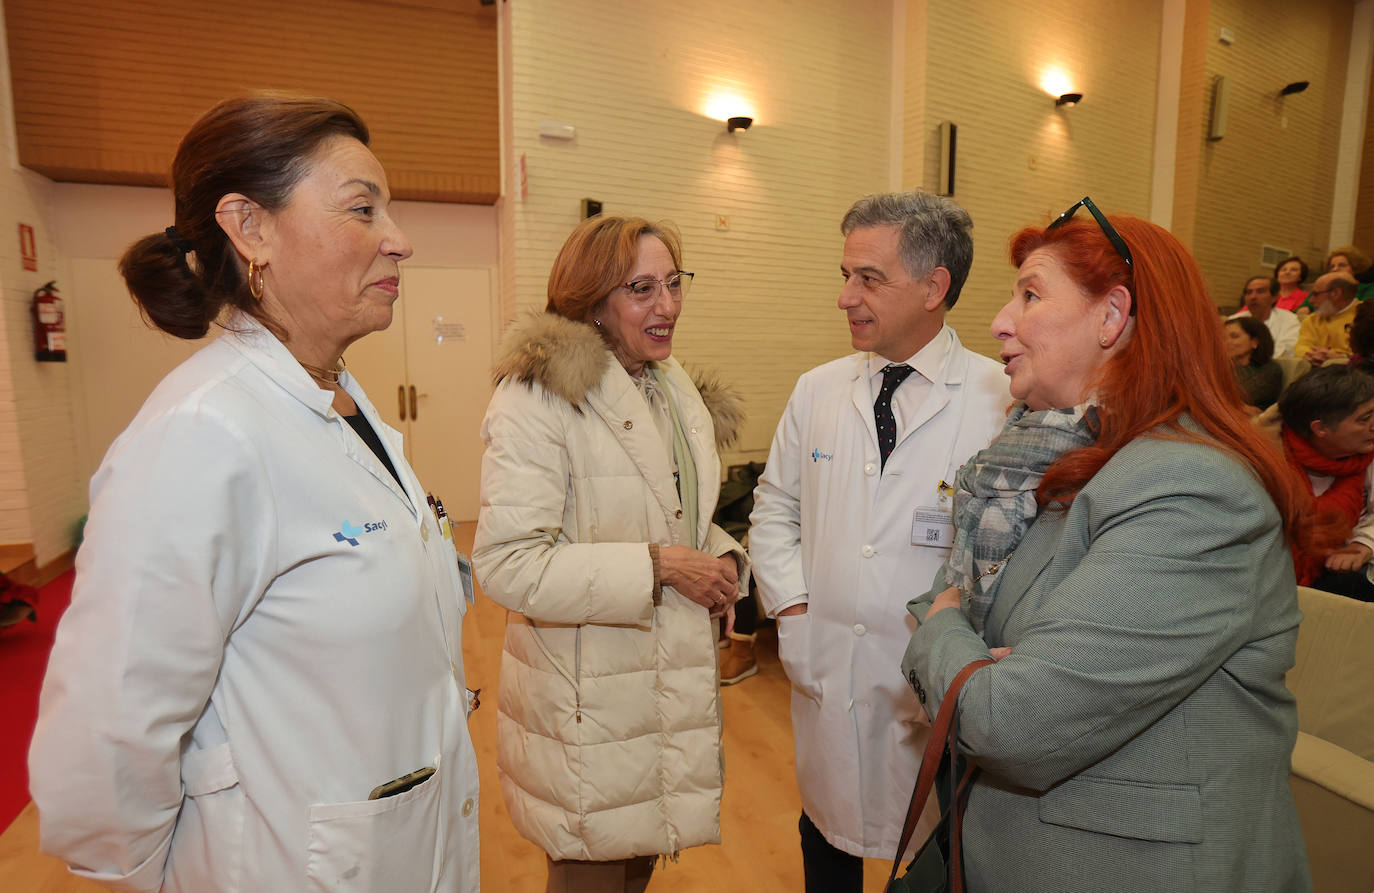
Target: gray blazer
x,y
1138,737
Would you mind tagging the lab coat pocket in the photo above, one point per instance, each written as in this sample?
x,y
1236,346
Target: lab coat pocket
x,y
212,809
386,844
794,651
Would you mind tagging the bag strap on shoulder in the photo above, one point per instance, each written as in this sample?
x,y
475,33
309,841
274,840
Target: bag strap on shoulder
x,y
941,739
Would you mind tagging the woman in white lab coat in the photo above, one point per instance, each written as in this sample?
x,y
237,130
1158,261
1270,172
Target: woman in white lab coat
x,y
259,683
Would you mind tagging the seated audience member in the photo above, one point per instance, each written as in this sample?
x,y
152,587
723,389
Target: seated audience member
x,y
1349,259
1325,335
1258,299
1250,348
1290,273
1328,434
1362,338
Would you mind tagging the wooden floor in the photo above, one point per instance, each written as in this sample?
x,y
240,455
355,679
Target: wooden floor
x,y
759,816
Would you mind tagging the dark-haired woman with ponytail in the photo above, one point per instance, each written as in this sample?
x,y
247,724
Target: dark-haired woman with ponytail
x,y
259,682
1121,552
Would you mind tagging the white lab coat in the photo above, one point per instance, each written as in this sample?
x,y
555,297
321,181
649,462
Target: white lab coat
x,y
234,674
832,528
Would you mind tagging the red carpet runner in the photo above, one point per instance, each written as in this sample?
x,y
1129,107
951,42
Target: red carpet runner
x,y
23,657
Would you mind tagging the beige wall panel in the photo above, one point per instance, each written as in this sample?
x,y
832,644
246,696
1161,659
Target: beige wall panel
x,y
1364,203
639,81
104,89
1270,180
1194,110
914,130
1021,160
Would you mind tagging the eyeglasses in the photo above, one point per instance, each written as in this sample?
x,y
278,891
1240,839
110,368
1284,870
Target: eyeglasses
x,y
676,285
1107,230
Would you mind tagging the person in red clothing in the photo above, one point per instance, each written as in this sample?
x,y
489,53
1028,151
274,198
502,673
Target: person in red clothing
x,y
1291,272
1328,435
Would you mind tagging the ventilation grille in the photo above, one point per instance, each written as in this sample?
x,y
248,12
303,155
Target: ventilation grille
x,y
1271,256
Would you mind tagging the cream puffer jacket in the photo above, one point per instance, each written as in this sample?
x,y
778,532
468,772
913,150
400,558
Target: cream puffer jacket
x,y
609,712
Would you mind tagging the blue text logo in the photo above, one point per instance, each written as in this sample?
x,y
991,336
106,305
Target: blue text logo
x,y
817,455
348,533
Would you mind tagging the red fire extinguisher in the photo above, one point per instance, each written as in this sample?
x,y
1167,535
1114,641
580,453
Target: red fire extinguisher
x,y
49,331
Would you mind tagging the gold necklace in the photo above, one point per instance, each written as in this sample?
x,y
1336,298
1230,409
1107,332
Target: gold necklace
x,y
328,376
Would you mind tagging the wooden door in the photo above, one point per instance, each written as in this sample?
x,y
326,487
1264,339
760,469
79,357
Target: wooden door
x,y
378,362
448,332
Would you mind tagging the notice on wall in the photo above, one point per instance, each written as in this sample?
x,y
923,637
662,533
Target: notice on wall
x,y
445,331
28,247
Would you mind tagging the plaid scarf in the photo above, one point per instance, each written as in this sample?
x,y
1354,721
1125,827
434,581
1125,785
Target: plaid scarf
x,y
995,500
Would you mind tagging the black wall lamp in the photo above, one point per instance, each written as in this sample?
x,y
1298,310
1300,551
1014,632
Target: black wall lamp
x,y
1295,87
739,122
1069,100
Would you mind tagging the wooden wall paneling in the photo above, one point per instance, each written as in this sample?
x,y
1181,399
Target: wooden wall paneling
x,y
104,89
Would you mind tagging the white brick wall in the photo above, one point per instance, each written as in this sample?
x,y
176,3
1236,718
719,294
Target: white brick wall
x,y
633,78
40,498
1020,160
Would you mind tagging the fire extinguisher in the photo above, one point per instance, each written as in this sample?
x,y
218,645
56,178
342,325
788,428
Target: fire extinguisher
x,y
49,331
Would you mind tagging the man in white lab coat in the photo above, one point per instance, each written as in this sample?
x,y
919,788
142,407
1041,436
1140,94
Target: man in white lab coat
x,y
852,518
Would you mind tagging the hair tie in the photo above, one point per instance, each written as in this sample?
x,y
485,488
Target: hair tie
x,y
178,242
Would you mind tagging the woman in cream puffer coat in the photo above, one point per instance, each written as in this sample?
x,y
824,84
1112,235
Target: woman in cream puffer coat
x,y
609,712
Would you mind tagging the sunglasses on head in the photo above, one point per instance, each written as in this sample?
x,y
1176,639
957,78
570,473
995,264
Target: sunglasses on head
x,y
1107,230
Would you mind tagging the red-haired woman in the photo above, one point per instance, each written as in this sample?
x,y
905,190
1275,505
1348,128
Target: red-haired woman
x,y
1135,734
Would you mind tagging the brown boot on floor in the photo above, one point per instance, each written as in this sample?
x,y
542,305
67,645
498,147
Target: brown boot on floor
x,y
737,661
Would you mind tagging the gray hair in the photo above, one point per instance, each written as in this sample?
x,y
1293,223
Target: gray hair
x,y
934,233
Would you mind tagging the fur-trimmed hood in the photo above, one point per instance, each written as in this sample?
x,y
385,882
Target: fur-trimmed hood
x,y
569,359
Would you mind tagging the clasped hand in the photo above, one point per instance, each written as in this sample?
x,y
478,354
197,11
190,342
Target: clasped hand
x,y
1348,558
711,582
950,599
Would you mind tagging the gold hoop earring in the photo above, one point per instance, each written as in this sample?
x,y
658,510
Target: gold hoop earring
x,y
255,279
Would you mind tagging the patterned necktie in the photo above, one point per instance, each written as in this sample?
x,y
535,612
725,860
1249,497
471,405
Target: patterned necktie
x,y
893,375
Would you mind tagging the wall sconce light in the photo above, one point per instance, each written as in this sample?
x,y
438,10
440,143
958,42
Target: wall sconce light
x,y
1295,87
739,122
1069,99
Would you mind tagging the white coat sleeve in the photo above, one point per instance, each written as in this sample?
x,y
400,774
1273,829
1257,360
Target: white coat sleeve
x,y
719,543
177,549
775,524
523,559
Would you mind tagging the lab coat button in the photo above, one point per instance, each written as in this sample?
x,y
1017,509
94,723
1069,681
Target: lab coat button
x,y
424,532
860,629
467,807
868,551
629,424
871,469
678,513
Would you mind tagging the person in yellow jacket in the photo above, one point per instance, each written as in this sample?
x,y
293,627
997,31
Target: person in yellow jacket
x,y
1325,334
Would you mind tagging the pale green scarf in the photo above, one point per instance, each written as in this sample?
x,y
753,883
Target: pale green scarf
x,y
686,467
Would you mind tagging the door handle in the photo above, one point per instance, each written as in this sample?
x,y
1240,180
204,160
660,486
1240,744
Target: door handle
x,y
413,413
401,401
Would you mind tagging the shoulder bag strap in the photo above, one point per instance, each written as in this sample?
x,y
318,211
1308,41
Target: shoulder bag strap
x,y
930,761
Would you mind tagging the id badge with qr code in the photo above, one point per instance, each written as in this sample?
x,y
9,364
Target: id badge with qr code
x,y
932,527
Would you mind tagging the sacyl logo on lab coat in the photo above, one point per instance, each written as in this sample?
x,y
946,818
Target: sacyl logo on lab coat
x,y
348,533
817,455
